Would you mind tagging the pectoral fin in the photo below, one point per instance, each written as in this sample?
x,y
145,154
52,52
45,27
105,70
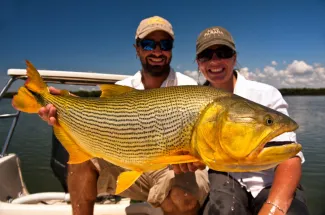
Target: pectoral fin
x,y
125,180
76,154
64,93
175,159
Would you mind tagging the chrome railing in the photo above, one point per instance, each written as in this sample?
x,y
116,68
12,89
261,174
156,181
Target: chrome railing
x,y
15,117
89,81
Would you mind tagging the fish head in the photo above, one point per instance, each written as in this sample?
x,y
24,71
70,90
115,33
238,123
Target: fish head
x,y
235,131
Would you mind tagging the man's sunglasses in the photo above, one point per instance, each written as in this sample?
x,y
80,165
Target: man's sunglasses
x,y
222,53
150,45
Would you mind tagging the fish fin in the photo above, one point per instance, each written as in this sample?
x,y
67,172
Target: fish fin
x,y
64,93
174,159
125,180
34,81
109,90
76,154
25,101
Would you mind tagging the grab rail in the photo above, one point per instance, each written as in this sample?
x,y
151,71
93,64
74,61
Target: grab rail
x,y
15,117
57,78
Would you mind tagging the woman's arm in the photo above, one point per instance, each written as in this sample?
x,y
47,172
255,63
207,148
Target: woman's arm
x,y
286,179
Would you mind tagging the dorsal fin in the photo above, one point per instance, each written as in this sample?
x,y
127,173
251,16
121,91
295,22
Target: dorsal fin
x,y
109,90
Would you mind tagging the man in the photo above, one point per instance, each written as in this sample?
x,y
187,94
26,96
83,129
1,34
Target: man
x,y
181,193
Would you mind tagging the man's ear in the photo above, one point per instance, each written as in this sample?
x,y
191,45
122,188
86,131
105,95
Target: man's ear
x,y
197,62
136,49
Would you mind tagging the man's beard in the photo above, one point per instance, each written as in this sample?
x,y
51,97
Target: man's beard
x,y
156,70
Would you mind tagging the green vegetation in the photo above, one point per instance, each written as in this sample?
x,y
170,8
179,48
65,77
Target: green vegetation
x,y
303,91
284,91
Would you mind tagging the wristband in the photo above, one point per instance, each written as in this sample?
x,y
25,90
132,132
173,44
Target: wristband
x,y
274,207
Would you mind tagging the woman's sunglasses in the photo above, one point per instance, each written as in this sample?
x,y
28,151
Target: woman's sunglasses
x,y
222,53
150,45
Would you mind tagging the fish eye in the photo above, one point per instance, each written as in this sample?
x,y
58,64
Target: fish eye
x,y
268,120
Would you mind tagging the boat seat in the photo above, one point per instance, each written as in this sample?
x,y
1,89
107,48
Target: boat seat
x,y
11,181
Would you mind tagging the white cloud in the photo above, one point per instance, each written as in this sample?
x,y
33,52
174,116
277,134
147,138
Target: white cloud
x,y
299,67
317,64
195,75
245,72
270,71
320,72
298,73
274,63
295,74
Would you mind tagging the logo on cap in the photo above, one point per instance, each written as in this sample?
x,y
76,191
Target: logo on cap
x,y
156,20
213,31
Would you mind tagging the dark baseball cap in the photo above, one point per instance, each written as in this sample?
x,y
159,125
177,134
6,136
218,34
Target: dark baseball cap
x,y
214,36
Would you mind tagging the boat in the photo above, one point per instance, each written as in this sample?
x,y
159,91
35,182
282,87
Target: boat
x,y
15,198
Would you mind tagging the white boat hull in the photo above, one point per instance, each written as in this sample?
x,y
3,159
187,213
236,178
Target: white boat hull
x,y
15,199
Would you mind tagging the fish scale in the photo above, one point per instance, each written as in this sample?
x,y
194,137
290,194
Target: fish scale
x,y
148,124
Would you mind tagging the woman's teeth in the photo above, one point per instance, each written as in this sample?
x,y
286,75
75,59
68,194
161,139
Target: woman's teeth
x,y
216,70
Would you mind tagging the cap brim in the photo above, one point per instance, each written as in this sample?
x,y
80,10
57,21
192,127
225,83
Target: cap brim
x,y
147,32
215,42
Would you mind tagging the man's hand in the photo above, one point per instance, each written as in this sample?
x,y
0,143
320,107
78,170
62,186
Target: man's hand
x,y
188,167
48,113
180,202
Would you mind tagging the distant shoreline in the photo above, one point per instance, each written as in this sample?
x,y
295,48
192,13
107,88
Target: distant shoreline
x,y
284,91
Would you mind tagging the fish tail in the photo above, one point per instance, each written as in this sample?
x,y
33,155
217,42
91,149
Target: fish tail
x,y
34,81
25,101
29,99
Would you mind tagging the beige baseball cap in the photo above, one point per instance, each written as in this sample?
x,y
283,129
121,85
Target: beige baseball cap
x,y
214,36
151,24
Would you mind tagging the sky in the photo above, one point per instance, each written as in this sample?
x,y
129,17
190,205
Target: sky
x,y
281,43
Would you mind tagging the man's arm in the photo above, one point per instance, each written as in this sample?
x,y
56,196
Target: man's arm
x,y
286,179
82,178
82,185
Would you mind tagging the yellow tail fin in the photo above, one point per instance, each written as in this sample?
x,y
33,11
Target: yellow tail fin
x,y
25,101
34,81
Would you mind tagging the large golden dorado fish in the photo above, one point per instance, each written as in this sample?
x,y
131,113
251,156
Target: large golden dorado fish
x,y
145,130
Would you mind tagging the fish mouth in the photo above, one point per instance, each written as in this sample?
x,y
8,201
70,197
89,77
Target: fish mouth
x,y
277,143
266,143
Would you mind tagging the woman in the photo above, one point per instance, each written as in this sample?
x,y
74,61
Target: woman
x,y
273,191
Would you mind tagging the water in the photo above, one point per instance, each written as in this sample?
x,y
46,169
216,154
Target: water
x,y
32,143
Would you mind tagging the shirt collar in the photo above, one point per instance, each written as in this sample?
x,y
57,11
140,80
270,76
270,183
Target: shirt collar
x,y
170,80
239,83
